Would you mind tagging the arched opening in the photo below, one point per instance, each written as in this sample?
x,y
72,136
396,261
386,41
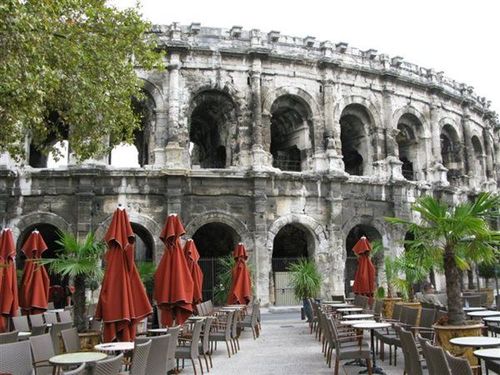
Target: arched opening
x,y
291,243
408,145
213,240
144,244
291,143
212,122
143,136
351,260
50,234
124,156
354,123
477,166
451,154
52,146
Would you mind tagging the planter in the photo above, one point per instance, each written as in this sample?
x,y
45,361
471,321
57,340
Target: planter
x,y
445,333
89,339
389,306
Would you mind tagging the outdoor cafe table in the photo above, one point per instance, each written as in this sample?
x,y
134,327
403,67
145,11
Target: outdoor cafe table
x,y
470,309
353,322
495,319
476,342
371,327
358,316
491,354
23,335
76,358
483,314
350,309
337,305
119,346
159,331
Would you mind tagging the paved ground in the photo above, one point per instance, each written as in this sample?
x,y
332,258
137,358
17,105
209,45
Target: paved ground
x,y
284,347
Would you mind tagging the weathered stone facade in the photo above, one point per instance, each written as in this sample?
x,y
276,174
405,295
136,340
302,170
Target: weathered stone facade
x,y
256,131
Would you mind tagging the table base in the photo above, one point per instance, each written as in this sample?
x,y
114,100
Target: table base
x,y
375,370
356,362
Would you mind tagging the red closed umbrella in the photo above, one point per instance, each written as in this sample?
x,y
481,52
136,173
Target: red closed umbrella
x,y
174,286
123,301
192,257
364,279
8,278
34,293
241,286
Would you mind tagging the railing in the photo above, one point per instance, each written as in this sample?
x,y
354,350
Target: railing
x,y
287,164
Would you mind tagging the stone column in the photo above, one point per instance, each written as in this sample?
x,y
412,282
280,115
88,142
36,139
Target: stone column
x,y
262,255
85,201
332,129
488,150
437,171
468,148
260,155
391,147
160,138
173,151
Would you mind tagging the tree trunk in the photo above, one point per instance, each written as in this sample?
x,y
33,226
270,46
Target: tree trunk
x,y
432,277
452,275
470,279
79,313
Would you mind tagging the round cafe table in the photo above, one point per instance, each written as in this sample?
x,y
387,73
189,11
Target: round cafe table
x,y
483,314
495,319
470,309
158,331
476,342
358,316
76,358
371,327
491,354
353,322
349,310
119,346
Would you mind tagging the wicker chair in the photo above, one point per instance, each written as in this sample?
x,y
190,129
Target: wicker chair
x,y
413,365
458,365
492,365
21,323
15,358
140,359
157,357
71,340
65,316
436,359
50,317
338,298
204,346
77,371
37,320
108,366
251,322
191,351
223,331
427,319
172,345
38,330
55,333
42,349
8,337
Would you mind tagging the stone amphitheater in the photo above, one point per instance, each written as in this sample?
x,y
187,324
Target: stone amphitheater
x,y
293,146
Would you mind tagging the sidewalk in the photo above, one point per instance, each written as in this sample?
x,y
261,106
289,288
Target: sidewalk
x,y
284,347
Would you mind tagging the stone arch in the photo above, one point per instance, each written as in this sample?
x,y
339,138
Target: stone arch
x,y
409,109
155,92
452,150
20,224
212,128
225,218
371,108
150,226
448,121
307,98
478,166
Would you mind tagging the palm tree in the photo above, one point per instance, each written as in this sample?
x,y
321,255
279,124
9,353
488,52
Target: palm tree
x,y
453,237
81,261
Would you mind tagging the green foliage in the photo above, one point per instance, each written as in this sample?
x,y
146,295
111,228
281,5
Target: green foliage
x,y
305,279
67,68
147,272
487,270
77,258
225,266
391,274
460,233
380,292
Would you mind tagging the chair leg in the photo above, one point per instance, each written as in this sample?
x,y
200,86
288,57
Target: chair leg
x,y
194,366
206,362
253,333
210,358
201,366
228,351
369,366
336,370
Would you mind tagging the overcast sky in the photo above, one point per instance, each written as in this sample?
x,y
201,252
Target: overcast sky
x,y
461,38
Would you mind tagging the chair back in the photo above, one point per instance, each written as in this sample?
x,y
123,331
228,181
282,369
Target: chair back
x,y
427,317
473,300
108,366
80,370
377,308
172,344
15,358
436,356
50,317
404,312
195,339
411,317
42,349
140,358
21,323
65,316
206,333
422,341
51,306
38,330
410,353
229,324
55,333
396,311
157,357
71,340
36,320
8,337
338,297
458,365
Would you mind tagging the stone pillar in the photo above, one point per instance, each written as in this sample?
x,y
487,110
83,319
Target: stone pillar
x,y
173,151
332,129
84,206
262,255
260,155
488,150
160,138
468,148
391,146
437,172
336,240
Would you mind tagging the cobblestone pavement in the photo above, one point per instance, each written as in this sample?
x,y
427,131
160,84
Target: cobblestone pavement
x,y
284,347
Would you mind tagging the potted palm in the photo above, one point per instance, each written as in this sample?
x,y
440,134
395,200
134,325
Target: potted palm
x,y
80,261
306,282
452,237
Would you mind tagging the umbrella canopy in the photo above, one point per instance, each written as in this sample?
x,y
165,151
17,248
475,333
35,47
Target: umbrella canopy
x,y
8,278
192,257
123,301
241,286
174,286
364,279
34,293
